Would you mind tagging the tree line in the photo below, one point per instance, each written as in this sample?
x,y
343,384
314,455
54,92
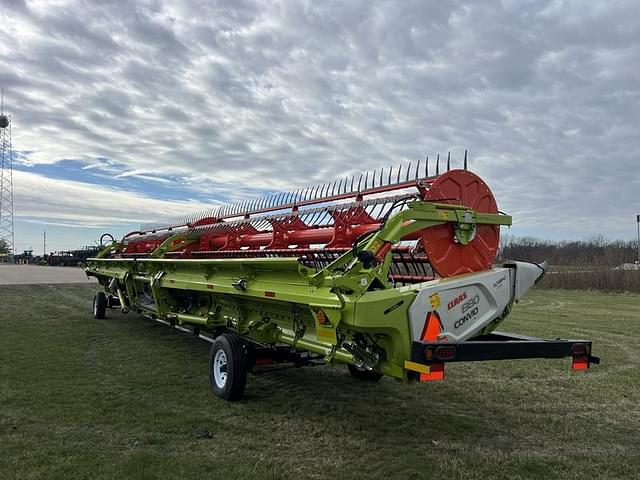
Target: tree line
x,y
597,251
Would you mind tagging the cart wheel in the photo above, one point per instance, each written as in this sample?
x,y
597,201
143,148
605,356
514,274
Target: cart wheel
x,y
364,374
99,305
228,367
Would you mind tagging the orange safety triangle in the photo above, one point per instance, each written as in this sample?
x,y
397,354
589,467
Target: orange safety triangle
x,y
430,333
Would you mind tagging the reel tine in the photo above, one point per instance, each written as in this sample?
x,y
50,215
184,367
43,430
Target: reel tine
x,y
448,161
314,192
465,158
359,182
408,172
353,177
316,217
438,165
399,173
381,174
417,169
366,179
339,186
426,167
390,173
310,219
322,192
333,187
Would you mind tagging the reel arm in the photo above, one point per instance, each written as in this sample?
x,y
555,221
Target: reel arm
x,y
369,261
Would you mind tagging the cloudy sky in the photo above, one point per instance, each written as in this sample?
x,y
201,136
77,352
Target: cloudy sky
x,y
129,111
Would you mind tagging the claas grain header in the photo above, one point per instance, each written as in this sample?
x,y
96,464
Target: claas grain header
x,y
390,272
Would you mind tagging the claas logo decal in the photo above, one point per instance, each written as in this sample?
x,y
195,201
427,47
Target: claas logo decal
x,y
457,300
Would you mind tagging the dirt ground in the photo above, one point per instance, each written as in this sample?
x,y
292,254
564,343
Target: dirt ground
x,y
11,274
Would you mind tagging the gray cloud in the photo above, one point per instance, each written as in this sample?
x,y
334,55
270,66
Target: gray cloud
x,y
283,94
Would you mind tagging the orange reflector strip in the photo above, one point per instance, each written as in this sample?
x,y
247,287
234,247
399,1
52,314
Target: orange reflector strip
x,y
436,373
580,363
209,286
269,294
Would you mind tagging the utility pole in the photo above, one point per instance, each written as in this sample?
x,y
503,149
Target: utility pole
x,y
44,244
638,241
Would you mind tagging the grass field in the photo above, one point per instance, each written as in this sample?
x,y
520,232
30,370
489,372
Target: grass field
x,y
129,398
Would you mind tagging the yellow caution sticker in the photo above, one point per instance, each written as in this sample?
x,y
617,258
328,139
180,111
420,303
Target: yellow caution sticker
x,y
326,335
443,214
377,243
435,300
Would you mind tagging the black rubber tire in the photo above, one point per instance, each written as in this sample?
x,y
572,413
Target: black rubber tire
x,y
99,305
364,374
232,388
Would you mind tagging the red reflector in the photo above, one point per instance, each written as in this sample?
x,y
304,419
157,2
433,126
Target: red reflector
x,y
436,373
580,349
322,318
445,353
580,363
269,294
428,354
264,361
209,286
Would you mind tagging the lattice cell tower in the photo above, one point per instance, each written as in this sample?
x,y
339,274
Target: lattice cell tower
x,y
6,181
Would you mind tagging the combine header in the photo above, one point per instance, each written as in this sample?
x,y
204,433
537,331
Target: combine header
x,y
389,272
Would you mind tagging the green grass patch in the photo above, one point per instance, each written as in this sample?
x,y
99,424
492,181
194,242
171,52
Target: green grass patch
x,y
129,398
